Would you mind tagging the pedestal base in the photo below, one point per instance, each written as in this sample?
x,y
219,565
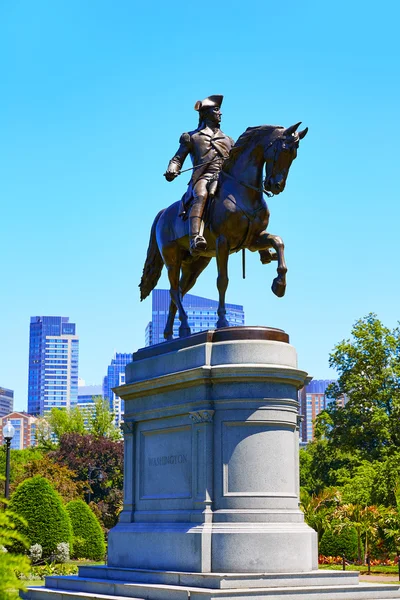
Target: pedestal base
x,y
227,547
105,583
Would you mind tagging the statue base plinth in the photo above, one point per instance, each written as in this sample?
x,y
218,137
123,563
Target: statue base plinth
x,y
213,485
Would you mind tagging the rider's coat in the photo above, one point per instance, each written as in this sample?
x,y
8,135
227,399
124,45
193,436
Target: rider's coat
x,y
208,148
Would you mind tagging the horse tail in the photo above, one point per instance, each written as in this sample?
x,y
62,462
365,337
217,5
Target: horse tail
x,y
153,265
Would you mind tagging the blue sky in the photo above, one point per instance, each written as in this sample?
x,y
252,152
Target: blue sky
x,y
94,96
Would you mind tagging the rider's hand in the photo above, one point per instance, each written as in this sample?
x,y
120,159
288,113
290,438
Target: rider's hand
x,y
170,175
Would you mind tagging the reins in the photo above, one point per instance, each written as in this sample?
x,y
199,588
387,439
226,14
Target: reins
x,y
260,189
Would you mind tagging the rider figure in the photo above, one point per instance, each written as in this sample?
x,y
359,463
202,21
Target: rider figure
x,y
208,147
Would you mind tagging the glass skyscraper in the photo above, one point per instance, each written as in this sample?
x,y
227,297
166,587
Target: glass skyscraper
x,y
201,312
6,401
115,377
53,364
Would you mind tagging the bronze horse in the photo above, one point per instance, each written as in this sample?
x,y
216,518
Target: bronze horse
x,y
236,218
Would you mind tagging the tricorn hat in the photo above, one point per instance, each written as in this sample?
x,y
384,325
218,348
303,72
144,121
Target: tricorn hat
x,y
208,102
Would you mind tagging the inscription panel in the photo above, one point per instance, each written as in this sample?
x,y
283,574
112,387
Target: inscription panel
x,y
166,463
256,461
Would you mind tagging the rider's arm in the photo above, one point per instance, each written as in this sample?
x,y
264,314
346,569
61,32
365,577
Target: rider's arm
x,y
175,164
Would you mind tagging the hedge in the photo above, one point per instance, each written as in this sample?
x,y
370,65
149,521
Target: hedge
x,y
48,523
337,544
88,535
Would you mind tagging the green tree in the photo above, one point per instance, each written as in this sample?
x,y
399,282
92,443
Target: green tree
x,y
101,421
88,534
368,365
47,521
61,477
364,519
318,509
56,423
18,461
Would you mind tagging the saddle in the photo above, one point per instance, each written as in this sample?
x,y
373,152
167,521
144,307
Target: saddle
x,y
187,198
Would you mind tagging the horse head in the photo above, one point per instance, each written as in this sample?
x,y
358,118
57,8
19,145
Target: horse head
x,y
279,155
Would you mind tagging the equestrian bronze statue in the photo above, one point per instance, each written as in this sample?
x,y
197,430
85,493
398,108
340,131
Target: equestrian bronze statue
x,y
225,205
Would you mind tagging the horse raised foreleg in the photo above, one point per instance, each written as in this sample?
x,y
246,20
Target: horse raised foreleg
x,y
263,242
222,253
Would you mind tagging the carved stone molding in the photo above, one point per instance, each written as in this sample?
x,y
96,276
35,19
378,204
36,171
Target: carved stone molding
x,y
127,427
202,416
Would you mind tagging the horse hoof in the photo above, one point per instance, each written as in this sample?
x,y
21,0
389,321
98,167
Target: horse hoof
x,y
168,337
184,331
278,288
222,322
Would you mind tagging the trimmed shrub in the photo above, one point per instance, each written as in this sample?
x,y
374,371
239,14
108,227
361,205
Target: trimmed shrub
x,y
88,534
336,544
47,520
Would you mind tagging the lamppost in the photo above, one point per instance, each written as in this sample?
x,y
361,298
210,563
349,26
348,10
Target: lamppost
x,y
90,480
8,434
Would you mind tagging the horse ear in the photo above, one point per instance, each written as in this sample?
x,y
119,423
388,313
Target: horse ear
x,y
291,129
303,133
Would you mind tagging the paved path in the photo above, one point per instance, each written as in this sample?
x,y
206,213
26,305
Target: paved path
x,y
389,578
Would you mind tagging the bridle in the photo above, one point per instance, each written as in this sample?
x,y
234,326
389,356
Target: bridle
x,y
261,189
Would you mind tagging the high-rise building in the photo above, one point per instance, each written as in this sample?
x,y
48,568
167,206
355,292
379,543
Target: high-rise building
x,y
86,398
25,430
6,401
312,400
53,364
115,377
201,312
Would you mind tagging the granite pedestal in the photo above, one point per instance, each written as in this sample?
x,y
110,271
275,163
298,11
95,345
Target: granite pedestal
x,y
211,479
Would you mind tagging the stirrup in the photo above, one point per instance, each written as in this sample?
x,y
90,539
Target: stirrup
x,y
197,243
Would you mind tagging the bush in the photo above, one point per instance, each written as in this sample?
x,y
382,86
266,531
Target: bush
x,y
47,520
336,544
35,552
62,552
88,534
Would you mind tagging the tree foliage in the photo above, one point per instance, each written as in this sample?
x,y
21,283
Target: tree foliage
x,y
357,446
61,477
98,463
101,421
368,365
98,421
11,564
46,521
88,534
18,461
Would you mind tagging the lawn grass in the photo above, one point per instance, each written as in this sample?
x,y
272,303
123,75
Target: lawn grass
x,y
375,570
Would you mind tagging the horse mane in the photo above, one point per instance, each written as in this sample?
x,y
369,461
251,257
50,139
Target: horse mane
x,y
252,134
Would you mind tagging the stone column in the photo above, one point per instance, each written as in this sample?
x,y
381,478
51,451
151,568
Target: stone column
x,y
203,478
127,513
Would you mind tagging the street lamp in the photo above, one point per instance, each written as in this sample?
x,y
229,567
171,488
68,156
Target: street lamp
x,y
90,480
8,434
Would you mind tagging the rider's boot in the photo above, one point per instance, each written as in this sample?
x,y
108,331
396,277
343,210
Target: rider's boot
x,y
197,241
